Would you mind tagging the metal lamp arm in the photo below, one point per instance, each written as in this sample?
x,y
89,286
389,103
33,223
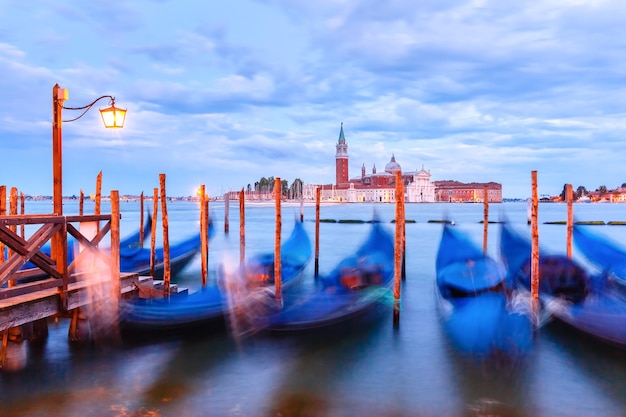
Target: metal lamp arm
x,y
87,107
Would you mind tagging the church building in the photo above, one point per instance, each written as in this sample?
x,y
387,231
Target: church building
x,y
375,186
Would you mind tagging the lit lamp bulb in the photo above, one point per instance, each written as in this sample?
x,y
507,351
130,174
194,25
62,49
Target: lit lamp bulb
x,y
113,117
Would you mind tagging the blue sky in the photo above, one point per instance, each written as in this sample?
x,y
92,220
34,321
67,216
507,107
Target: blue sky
x,y
223,93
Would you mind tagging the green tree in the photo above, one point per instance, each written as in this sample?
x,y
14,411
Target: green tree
x,y
602,189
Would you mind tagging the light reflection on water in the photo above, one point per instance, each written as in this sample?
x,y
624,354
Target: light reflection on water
x,y
376,371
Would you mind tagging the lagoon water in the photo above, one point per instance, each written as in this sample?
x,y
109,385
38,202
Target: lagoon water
x,y
374,371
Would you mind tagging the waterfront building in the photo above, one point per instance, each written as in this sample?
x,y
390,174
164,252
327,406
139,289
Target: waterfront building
x,y
381,186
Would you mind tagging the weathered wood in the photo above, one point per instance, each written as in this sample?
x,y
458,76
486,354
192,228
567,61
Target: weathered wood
x,y
205,249
485,218
22,207
203,236
141,220
98,193
28,250
317,231
534,265
81,203
242,227
570,218
166,240
277,236
397,266
30,287
115,251
226,211
33,306
3,212
155,210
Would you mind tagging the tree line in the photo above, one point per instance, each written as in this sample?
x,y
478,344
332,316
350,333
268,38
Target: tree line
x,y
293,191
582,191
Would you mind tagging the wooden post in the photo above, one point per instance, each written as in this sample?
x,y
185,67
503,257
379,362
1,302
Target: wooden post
x,y
81,203
58,97
485,218
570,218
22,206
226,211
301,209
3,211
206,222
204,236
155,210
403,217
141,220
317,231
98,193
277,259
115,251
242,227
12,212
166,241
534,265
397,266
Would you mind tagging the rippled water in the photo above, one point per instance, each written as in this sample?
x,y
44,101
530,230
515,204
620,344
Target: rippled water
x,y
372,371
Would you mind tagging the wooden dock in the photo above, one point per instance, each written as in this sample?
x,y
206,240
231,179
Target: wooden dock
x,y
54,287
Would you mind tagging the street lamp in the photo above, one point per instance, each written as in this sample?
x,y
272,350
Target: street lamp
x,y
112,117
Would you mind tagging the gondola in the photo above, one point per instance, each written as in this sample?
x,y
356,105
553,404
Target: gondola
x,y
209,305
137,259
606,255
355,291
484,318
568,292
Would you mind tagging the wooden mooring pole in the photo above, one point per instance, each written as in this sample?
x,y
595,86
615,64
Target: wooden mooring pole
x,y
155,211
226,211
242,227
81,203
534,265
570,218
485,218
141,220
317,231
277,256
204,236
397,267
166,239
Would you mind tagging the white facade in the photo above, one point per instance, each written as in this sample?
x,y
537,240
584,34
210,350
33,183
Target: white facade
x,y
421,190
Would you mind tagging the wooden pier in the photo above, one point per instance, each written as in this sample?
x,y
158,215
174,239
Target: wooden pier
x,y
54,288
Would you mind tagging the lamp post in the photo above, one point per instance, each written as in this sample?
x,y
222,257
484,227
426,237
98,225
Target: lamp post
x,y
112,117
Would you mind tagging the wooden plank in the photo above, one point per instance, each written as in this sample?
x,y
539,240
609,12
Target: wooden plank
x,y
29,287
30,219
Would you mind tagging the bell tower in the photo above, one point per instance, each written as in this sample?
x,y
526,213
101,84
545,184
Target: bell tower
x,y
341,160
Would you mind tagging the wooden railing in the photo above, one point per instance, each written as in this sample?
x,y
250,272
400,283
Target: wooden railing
x,y
48,272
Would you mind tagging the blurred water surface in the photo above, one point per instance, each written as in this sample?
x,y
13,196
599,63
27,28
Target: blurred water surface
x,y
374,371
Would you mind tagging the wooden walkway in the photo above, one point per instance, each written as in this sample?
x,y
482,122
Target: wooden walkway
x,y
58,288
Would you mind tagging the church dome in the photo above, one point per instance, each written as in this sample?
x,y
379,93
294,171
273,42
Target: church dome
x,y
393,166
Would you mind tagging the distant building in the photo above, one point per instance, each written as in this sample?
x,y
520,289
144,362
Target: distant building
x,y
474,192
380,186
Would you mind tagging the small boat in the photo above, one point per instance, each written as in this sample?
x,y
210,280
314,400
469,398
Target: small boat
x,y
568,292
208,306
484,318
605,254
359,284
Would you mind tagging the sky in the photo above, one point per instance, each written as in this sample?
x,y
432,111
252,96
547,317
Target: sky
x,y
222,93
